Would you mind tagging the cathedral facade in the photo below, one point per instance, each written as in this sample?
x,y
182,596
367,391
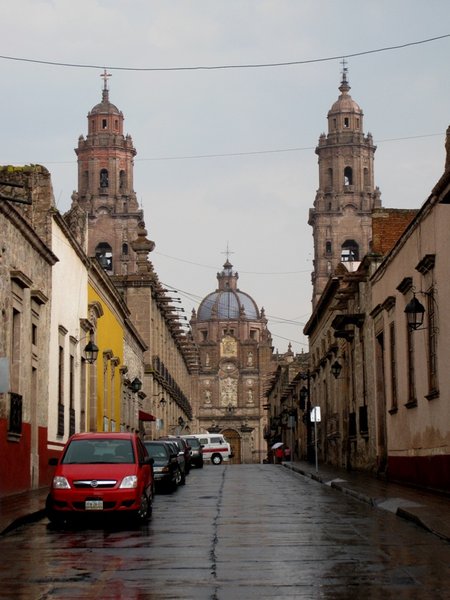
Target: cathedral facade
x,y
236,362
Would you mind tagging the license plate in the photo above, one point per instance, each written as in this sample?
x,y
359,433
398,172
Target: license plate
x,y
94,505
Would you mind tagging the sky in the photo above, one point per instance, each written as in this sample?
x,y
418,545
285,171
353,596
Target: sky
x,y
226,156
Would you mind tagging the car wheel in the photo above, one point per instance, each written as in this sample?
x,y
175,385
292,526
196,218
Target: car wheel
x,y
145,509
216,459
200,465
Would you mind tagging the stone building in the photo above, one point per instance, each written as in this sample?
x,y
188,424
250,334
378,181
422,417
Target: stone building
x,y
26,263
341,216
236,362
411,355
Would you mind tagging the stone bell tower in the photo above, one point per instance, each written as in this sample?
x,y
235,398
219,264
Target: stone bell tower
x,y
105,187
341,218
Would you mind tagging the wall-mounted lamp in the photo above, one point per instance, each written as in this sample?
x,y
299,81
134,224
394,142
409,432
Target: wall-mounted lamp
x,y
336,369
90,352
136,385
162,402
414,313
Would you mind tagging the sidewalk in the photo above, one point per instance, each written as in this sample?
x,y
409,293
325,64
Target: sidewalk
x,y
428,510
22,508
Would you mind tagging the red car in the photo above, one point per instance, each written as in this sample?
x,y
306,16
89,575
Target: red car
x,y
100,473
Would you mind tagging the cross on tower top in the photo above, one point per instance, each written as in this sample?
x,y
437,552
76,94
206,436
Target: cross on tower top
x,y
227,252
105,75
344,69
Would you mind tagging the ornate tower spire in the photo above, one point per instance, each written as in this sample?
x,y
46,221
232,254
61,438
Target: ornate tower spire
x,y
105,186
341,217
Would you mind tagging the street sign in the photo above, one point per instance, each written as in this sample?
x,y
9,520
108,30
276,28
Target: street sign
x,y
315,414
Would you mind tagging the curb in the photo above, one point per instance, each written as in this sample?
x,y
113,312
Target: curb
x,y
29,518
401,512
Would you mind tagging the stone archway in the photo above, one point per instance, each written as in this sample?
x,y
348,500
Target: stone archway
x,y
234,439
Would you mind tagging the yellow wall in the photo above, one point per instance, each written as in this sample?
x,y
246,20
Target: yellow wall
x,y
109,337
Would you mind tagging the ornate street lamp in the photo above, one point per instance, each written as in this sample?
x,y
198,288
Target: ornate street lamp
x,y
414,313
90,352
336,369
136,385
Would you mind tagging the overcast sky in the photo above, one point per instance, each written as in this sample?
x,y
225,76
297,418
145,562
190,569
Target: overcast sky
x,y
225,157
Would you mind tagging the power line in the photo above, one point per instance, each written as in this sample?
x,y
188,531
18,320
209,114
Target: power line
x,y
218,67
250,152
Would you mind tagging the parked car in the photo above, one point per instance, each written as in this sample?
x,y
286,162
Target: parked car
x,y
180,457
165,466
182,447
196,450
101,473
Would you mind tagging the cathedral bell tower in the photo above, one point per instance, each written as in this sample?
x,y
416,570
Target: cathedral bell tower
x,y
105,187
341,218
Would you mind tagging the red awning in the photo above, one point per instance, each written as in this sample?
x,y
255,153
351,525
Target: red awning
x,y
144,416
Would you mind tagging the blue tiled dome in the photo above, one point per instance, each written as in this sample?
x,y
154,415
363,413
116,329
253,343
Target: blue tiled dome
x,y
228,303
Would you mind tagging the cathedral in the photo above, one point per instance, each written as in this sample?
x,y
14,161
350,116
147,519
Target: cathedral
x,y
236,363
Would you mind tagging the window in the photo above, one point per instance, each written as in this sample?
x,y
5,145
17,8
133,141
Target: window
x,y
104,178
204,335
349,251
432,343
346,123
328,247
348,176
393,359
124,249
104,124
72,394
122,180
60,427
410,366
103,253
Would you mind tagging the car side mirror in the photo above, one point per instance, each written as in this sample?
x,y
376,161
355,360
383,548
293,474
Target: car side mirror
x,y
148,460
53,462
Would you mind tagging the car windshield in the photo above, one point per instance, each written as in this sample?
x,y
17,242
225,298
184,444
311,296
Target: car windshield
x,y
110,451
193,443
157,450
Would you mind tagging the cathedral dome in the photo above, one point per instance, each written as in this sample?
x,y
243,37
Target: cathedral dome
x,y
228,302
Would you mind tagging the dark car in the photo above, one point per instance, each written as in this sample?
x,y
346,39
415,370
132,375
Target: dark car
x,y
196,450
178,449
101,473
184,448
165,464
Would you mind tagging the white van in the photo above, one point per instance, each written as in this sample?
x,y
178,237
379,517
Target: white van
x,y
215,448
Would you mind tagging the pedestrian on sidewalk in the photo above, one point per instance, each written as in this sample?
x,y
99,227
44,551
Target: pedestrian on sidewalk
x,y
279,454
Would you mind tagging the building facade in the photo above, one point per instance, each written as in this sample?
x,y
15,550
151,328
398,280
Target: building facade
x,y
235,365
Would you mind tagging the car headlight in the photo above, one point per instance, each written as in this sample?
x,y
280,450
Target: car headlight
x,y
60,483
130,481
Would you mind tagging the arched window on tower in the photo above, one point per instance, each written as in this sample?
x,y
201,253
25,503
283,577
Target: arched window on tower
x,y
104,179
349,251
122,180
328,247
125,249
348,176
103,253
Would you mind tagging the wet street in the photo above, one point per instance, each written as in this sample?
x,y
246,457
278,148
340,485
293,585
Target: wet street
x,y
233,532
